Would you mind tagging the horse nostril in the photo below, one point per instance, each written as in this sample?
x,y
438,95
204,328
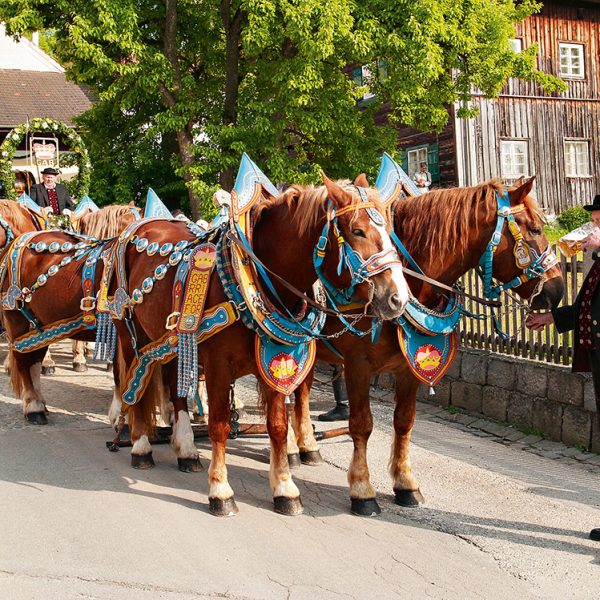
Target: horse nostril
x,y
396,302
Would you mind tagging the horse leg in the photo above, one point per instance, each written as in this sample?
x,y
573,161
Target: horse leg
x,y
182,440
220,495
140,415
406,486
48,364
308,447
286,496
362,493
79,354
25,369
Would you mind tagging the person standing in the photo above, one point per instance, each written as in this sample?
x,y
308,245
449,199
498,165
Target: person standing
x,y
51,194
423,177
583,317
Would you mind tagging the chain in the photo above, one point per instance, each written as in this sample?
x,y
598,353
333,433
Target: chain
x,y
234,414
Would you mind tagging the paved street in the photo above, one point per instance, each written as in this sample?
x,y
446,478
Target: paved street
x,y
501,520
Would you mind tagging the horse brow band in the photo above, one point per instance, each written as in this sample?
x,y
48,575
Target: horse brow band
x,y
359,205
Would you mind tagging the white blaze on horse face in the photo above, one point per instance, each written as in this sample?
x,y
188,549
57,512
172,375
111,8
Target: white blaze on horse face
x,y
396,271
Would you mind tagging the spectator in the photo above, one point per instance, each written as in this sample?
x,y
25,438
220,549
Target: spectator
x,y
583,317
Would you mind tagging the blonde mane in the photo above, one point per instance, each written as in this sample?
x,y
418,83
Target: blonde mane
x,y
106,222
442,220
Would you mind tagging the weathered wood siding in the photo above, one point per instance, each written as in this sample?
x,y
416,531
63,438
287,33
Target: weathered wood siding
x,y
523,111
409,136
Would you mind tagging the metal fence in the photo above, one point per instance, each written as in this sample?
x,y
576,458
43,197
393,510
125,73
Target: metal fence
x,y
547,345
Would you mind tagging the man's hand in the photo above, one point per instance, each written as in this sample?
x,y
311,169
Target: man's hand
x,y
592,241
537,321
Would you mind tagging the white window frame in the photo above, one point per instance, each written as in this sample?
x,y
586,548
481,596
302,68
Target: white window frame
x,y
577,164
415,157
565,67
509,162
517,44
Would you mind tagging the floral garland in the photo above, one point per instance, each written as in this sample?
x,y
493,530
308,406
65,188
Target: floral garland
x,y
78,188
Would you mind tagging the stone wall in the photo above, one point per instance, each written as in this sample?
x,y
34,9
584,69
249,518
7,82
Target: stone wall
x,y
535,397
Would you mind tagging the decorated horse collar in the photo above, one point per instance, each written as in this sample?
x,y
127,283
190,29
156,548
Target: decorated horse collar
x,y
533,265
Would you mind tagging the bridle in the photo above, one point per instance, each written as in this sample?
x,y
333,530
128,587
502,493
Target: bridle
x,y
532,264
360,270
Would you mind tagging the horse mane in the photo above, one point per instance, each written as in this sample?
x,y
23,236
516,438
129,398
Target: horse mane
x,y
106,222
19,217
442,220
308,203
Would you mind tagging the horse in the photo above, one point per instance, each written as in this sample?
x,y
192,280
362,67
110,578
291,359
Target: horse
x,y
286,230
446,231
49,271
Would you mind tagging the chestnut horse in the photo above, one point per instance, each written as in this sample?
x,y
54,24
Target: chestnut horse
x,y
57,299
286,231
446,231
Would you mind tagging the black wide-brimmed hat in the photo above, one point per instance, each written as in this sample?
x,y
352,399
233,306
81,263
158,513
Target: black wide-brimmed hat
x,y
50,171
595,205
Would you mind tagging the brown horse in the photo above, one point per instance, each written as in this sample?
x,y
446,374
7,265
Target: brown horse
x,y
58,299
17,220
446,231
286,230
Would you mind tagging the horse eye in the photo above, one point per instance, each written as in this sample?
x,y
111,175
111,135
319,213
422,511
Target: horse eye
x,y
359,233
535,230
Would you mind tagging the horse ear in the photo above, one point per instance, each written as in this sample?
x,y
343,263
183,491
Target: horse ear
x,y
336,193
131,203
521,191
362,181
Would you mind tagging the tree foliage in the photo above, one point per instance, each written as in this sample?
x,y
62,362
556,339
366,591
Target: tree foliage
x,y
186,86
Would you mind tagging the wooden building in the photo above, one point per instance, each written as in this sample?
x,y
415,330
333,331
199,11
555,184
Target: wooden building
x,y
525,131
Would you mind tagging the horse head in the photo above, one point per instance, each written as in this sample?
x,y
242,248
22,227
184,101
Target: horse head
x,y
361,234
523,255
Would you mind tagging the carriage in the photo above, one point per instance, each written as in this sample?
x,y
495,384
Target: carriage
x,y
167,298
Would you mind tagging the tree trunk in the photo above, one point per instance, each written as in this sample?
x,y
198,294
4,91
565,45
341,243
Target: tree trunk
x,y
232,25
185,140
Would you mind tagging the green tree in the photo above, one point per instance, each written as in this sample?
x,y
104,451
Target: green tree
x,y
271,77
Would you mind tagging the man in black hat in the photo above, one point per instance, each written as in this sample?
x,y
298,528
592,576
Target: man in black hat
x,y
583,316
52,194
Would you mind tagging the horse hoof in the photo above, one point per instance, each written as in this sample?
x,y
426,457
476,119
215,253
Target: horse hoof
x,y
222,508
288,506
294,461
365,507
142,461
80,367
311,457
37,418
409,497
190,465
48,370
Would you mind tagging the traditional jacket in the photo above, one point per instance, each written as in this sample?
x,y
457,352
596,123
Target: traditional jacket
x,y
39,194
566,318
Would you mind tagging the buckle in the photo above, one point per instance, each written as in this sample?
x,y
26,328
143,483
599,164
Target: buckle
x,y
87,303
172,320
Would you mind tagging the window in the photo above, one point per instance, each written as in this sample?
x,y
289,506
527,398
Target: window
x,y
517,45
364,77
427,153
514,160
577,163
571,60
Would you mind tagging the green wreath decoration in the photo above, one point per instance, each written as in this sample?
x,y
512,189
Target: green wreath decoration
x,y
78,187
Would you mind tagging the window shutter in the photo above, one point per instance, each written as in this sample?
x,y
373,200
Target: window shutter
x,y
433,162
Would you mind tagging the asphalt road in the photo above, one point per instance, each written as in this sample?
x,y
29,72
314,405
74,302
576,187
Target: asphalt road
x,y
77,522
